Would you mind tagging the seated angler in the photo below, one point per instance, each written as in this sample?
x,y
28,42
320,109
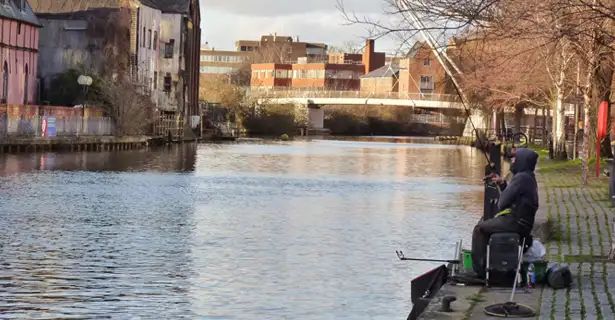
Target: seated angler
x,y
517,207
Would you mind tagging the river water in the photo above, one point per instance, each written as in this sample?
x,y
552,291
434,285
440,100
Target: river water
x,y
298,230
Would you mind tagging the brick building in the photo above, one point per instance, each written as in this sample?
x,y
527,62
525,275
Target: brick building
x,y
422,72
348,58
330,75
269,49
307,76
19,32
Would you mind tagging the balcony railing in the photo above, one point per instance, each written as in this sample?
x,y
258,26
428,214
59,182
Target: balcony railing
x,y
281,94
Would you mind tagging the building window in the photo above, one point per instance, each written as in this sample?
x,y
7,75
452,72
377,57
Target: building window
x,y
155,80
149,38
167,82
5,83
143,42
427,62
427,85
155,40
25,87
168,49
19,28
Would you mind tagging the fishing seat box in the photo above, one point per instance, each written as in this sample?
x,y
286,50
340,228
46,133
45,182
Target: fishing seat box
x,y
503,251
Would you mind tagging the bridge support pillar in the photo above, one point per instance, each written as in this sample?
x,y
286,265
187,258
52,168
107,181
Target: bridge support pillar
x,y
316,117
479,119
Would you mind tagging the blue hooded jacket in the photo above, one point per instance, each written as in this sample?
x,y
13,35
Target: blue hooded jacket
x,y
520,195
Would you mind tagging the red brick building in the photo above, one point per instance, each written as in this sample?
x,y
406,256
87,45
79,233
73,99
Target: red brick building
x,y
422,72
342,72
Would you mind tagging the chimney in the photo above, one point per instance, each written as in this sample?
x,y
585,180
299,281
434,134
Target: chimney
x,y
367,55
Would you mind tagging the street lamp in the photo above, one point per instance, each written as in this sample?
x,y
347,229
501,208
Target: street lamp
x,y
86,82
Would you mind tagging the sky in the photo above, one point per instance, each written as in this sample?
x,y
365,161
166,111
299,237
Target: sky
x,y
225,21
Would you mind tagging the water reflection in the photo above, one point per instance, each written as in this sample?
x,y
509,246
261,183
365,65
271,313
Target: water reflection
x,y
230,231
175,158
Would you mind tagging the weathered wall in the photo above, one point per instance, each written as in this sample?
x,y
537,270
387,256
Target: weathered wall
x,y
65,45
379,85
170,29
148,45
19,53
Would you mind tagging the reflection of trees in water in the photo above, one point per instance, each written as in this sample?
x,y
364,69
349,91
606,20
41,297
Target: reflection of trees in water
x,y
174,158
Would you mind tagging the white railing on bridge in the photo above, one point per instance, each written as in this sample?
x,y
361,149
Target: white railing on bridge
x,y
285,94
435,118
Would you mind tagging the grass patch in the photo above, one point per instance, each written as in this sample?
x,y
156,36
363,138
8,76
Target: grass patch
x,y
572,166
570,258
553,305
599,314
542,152
576,185
580,287
567,304
475,299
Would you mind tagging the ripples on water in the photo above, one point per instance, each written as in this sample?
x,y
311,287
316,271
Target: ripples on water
x,y
232,231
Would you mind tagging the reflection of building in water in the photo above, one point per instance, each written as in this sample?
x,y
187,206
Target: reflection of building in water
x,y
176,158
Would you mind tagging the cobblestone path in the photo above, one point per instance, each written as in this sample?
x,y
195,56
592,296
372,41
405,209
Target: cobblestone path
x,y
581,220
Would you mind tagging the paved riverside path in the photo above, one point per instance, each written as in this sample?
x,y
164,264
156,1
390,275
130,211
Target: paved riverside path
x,y
581,228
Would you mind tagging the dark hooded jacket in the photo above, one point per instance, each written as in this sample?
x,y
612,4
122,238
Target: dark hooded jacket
x,y
520,195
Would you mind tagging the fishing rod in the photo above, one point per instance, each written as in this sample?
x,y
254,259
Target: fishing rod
x,y
401,256
429,39
449,62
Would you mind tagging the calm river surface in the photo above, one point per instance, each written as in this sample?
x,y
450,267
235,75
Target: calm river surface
x,y
301,230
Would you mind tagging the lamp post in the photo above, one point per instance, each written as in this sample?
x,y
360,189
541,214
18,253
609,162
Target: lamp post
x,y
85,82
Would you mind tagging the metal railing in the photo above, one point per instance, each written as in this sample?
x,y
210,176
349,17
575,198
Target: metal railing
x,y
73,126
277,94
436,118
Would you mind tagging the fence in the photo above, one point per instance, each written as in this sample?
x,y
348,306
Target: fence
x,y
27,121
436,118
274,94
74,126
166,125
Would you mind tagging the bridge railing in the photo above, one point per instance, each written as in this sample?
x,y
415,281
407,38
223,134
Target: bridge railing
x,y
435,118
281,94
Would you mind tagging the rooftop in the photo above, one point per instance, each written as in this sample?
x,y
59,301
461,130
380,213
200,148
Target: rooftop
x,y
12,10
67,6
388,70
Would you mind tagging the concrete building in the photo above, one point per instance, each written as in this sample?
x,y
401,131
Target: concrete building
x,y
149,19
220,62
382,80
19,32
180,35
163,44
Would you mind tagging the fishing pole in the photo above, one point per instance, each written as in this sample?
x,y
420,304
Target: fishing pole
x,y
401,256
429,39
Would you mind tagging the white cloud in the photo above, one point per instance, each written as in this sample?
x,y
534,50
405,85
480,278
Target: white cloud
x,y
222,27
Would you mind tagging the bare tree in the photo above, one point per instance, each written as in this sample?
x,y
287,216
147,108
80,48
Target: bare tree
x,y
346,47
123,100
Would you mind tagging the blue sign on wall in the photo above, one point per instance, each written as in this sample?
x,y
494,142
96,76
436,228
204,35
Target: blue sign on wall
x,y
49,126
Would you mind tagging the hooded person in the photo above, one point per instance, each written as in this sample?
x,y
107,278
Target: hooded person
x,y
517,207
